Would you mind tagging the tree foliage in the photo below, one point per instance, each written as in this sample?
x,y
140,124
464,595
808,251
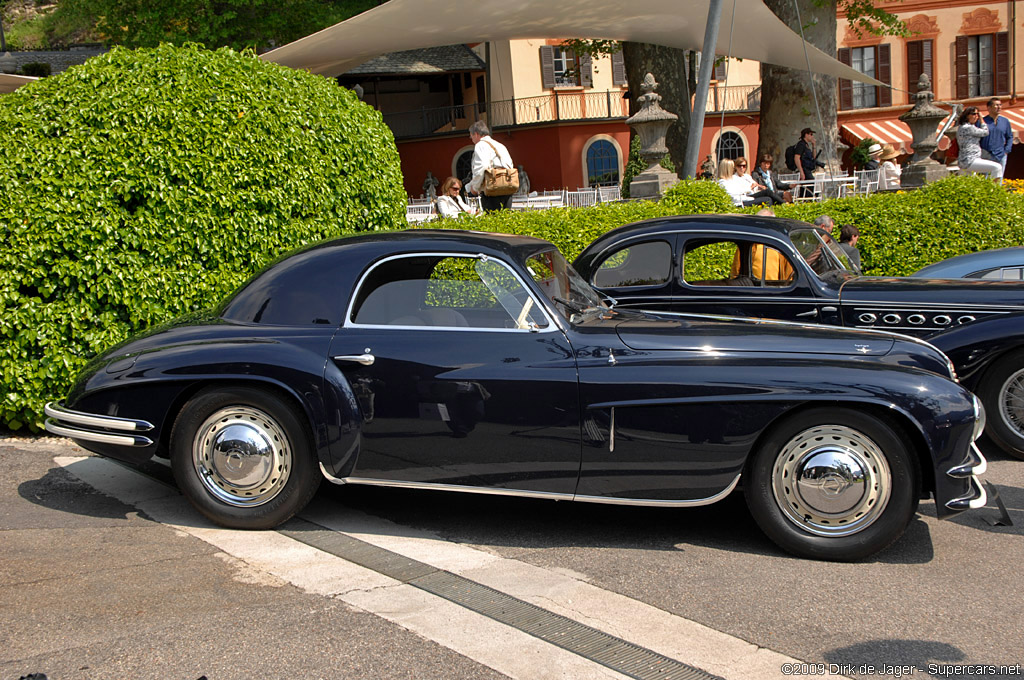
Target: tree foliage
x,y
147,184
215,23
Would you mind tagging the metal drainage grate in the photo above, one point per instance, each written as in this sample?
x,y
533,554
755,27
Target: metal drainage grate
x,y
600,647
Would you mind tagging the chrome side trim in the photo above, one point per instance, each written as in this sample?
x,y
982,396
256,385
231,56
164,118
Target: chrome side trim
x,y
660,503
976,498
491,491
975,465
100,437
364,359
66,415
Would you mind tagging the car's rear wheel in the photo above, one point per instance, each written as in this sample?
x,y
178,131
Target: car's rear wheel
x,y
1002,394
832,484
243,457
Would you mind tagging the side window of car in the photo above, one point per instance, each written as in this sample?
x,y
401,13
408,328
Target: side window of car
x,y
642,264
445,292
735,263
1002,274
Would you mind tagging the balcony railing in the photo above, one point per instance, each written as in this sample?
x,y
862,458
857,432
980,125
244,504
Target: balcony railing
x,y
734,98
557,106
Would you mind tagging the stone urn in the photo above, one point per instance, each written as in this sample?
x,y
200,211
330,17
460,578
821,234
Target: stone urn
x,y
651,123
923,120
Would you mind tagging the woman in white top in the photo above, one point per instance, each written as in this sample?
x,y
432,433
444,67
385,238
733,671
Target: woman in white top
x,y
739,187
889,172
450,203
968,137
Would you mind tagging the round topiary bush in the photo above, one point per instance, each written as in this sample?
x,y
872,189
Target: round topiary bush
x,y
148,183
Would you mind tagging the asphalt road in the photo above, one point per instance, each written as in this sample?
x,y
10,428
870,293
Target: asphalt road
x,y
92,587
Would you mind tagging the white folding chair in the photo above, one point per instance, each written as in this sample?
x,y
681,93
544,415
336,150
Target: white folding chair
x,y
420,212
581,199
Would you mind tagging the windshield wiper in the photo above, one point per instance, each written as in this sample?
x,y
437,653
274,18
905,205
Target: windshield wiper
x,y
568,305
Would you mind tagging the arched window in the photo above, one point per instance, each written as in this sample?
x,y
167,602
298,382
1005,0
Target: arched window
x,y
464,166
730,145
602,163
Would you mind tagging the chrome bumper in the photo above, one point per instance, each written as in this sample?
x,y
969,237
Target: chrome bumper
x,y
975,465
94,428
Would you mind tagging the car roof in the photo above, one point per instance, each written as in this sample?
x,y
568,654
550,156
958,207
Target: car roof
x,y
758,225
417,239
324,274
969,263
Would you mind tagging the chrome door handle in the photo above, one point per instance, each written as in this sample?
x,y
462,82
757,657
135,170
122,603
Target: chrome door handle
x,y
364,359
813,313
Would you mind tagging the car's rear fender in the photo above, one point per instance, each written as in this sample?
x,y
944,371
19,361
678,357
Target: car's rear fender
x,y
160,382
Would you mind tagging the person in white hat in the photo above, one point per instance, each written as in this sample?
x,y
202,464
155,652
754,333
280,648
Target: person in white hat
x,y
874,151
889,173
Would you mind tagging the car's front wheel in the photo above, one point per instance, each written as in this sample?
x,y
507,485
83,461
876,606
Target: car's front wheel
x,y
1002,394
243,457
833,484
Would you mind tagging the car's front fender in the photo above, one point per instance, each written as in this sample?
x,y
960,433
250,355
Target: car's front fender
x,y
975,346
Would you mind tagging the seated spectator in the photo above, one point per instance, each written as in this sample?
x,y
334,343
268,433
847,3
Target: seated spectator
x,y
740,190
768,179
450,203
889,172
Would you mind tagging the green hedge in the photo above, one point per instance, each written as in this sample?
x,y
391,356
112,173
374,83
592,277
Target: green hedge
x,y
148,183
900,231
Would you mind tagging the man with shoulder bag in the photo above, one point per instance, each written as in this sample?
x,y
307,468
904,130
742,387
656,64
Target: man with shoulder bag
x,y
494,175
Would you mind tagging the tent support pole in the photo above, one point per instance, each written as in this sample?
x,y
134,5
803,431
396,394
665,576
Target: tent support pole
x,y
707,62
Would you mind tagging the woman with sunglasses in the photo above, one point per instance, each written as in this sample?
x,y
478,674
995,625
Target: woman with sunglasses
x,y
450,202
754,194
765,177
969,132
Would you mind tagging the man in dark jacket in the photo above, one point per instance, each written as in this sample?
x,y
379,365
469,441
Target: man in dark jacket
x,y
807,158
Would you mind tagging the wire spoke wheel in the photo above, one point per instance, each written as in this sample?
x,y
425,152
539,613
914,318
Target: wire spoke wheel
x,y
1011,402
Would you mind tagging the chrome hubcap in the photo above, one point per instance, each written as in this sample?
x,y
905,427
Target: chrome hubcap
x,y
831,480
242,456
1011,403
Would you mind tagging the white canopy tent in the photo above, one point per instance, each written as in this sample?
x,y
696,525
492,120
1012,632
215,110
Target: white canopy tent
x,y
411,24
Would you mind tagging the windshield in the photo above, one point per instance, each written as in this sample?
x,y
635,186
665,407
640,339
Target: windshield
x,y
571,295
822,253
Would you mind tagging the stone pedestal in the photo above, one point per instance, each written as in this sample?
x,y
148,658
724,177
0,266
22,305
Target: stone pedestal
x,y
651,123
922,120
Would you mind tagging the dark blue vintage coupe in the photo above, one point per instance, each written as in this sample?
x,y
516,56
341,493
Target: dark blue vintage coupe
x,y
483,363
751,266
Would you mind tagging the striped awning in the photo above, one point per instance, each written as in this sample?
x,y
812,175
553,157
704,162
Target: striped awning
x,y
895,132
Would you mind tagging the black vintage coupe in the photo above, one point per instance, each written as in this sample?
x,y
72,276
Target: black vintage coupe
x,y
752,266
483,363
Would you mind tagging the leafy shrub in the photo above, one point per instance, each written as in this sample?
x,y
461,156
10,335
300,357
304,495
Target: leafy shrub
x,y
38,69
697,197
900,231
146,184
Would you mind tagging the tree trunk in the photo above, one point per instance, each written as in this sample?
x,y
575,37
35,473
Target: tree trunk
x,y
668,65
788,102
